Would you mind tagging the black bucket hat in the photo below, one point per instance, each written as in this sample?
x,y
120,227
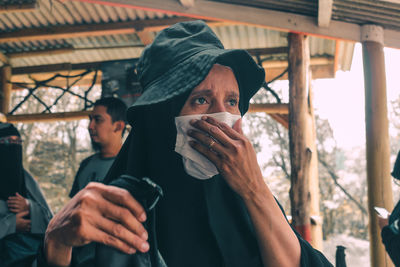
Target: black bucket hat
x,y
180,58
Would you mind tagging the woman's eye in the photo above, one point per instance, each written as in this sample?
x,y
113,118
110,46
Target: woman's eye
x,y
233,102
200,100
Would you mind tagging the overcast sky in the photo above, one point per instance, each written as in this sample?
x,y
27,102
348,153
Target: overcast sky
x,y
341,100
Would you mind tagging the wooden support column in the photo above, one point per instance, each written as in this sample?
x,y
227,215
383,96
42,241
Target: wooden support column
x,y
313,181
5,89
377,138
300,153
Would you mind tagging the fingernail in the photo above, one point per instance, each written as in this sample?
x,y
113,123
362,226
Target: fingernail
x,y
204,118
144,235
145,246
142,217
131,251
192,121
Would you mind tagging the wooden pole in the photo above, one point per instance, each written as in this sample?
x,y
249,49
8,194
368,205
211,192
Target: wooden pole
x,y
377,138
300,154
316,219
48,117
5,89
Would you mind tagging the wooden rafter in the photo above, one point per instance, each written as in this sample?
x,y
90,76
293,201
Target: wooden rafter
x,y
4,59
48,117
228,12
324,12
187,3
68,31
54,51
17,8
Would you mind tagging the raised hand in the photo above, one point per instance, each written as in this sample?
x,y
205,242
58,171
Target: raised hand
x,y
100,213
230,151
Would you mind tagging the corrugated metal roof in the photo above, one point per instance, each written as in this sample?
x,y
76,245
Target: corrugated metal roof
x,y
124,46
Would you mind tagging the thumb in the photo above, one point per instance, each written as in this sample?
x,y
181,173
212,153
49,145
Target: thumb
x,y
238,126
18,195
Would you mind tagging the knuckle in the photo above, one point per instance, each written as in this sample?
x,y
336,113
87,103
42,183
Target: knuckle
x,y
110,240
117,229
125,195
87,198
123,215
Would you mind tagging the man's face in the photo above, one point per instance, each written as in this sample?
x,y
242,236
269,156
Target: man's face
x,y
101,128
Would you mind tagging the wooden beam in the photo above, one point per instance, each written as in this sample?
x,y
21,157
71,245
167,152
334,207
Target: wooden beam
x,y
47,52
48,117
3,118
282,119
4,59
270,108
324,12
68,31
5,89
145,37
17,8
225,11
187,3
56,68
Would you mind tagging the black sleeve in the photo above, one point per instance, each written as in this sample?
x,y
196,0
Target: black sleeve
x,y
75,186
310,257
392,244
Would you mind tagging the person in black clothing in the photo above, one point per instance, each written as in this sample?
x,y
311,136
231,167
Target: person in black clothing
x,y
390,226
216,210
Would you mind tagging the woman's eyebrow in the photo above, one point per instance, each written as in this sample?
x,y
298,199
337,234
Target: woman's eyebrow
x,y
233,94
207,92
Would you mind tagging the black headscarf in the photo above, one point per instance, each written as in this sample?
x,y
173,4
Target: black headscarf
x,y
11,169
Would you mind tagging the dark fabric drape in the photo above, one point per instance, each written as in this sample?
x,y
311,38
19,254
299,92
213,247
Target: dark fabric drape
x,y
11,169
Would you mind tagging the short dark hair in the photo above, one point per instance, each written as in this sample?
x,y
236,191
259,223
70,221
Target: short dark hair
x,y
116,108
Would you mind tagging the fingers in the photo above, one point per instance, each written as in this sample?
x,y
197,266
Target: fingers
x,y
123,216
109,240
121,236
14,210
22,214
123,198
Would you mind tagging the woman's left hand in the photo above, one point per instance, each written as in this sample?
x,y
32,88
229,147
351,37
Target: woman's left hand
x,y
230,151
18,203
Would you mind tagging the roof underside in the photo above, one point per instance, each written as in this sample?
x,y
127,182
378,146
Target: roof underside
x,y
32,37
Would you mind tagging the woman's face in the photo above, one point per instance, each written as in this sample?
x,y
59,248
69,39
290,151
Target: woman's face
x,y
218,92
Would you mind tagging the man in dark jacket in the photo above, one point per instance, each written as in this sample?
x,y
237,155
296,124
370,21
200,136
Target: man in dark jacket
x,y
106,128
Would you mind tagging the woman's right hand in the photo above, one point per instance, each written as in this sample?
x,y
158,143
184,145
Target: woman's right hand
x,y
100,213
22,225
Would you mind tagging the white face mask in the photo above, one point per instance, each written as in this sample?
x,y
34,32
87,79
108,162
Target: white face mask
x,y
196,164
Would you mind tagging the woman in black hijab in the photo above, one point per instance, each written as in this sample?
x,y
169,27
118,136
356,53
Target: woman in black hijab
x,y
22,204
12,181
223,215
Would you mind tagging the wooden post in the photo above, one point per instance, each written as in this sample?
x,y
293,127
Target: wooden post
x,y
5,89
300,154
377,137
316,219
